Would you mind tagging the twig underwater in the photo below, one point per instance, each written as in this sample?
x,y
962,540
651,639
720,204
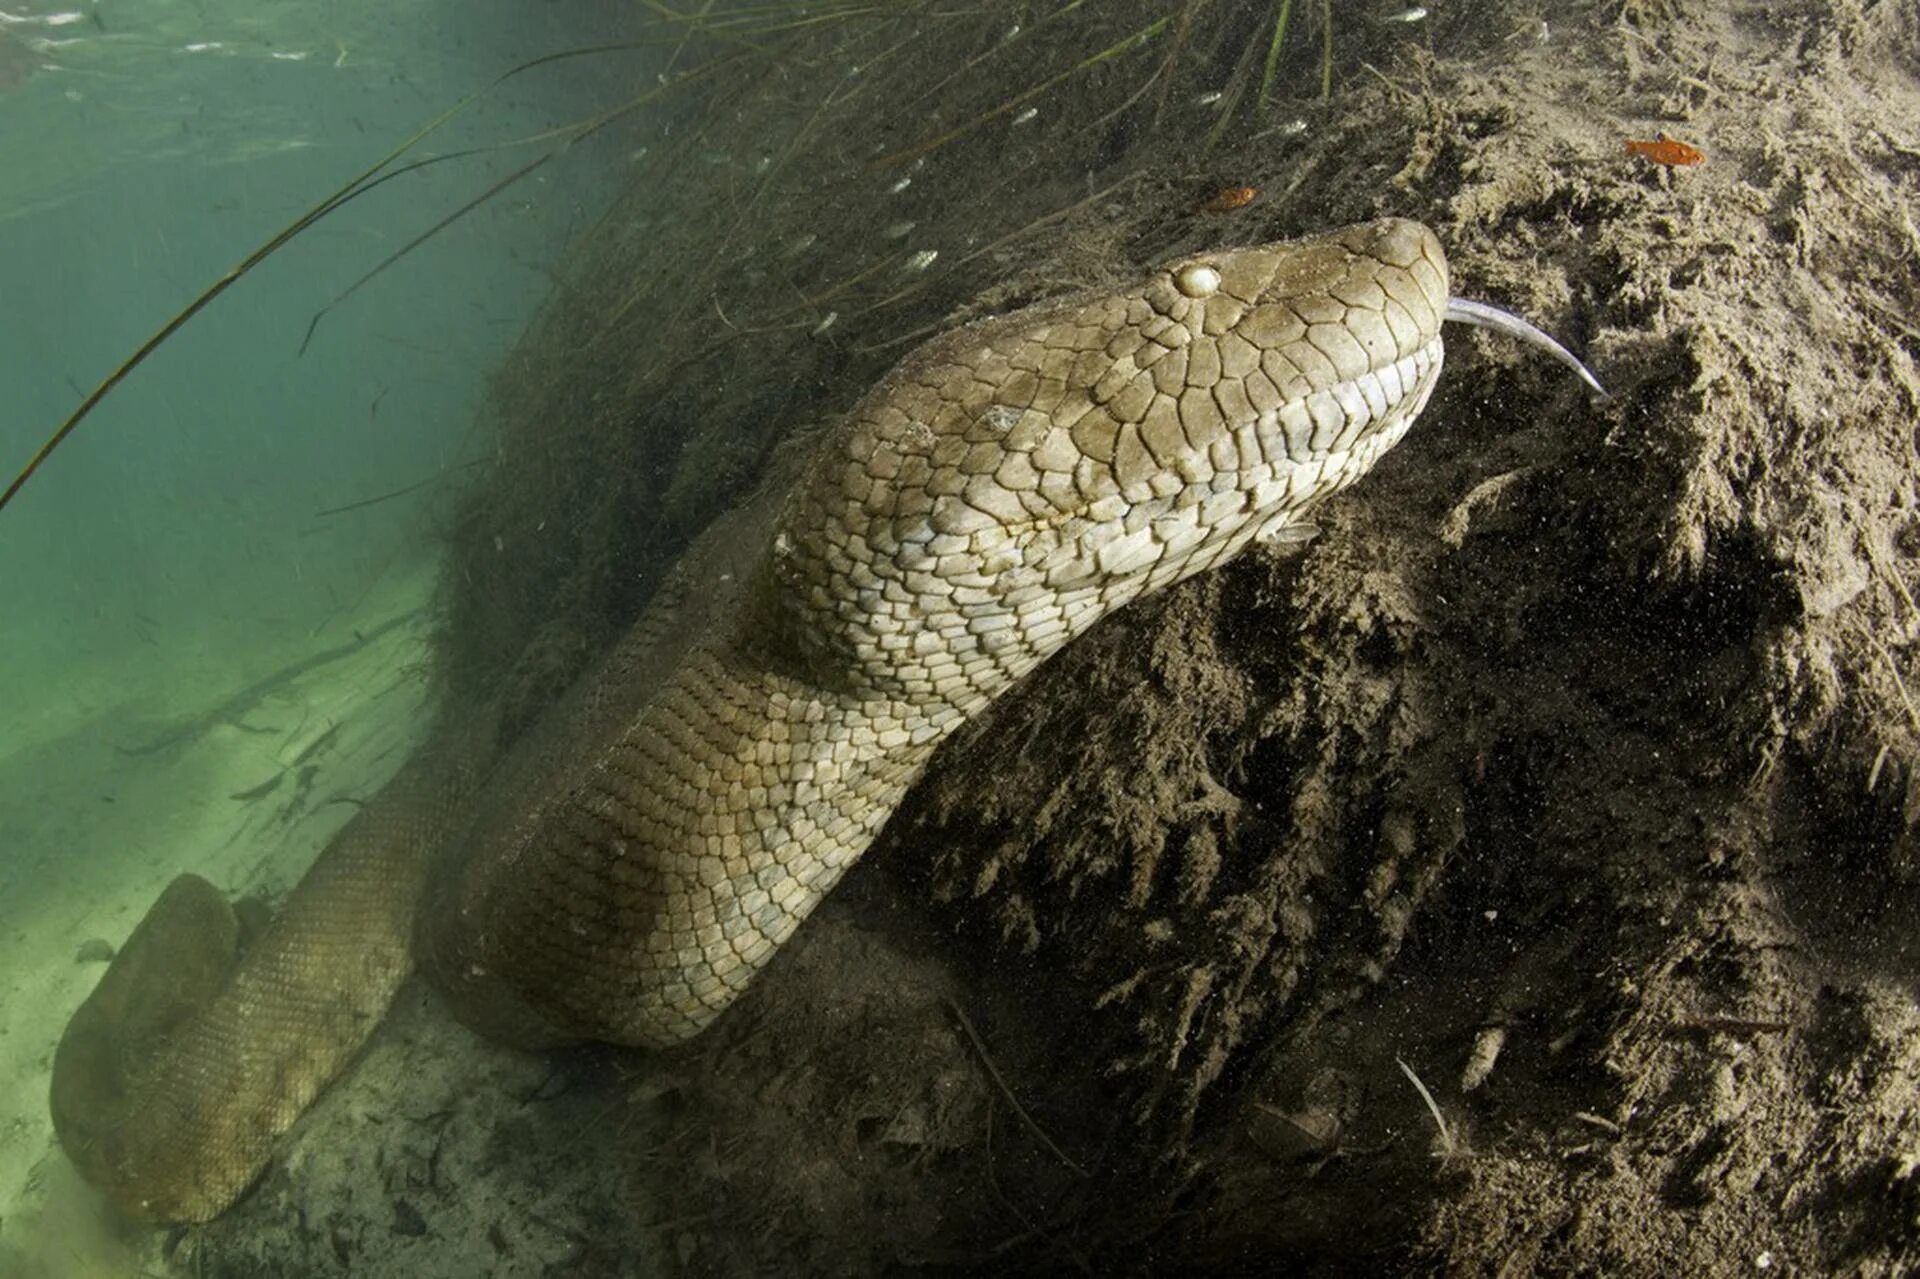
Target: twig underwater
x,y
1006,1090
1447,1146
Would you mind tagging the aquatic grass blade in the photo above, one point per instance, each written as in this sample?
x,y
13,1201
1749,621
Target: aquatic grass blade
x,y
1111,51
361,183
1282,16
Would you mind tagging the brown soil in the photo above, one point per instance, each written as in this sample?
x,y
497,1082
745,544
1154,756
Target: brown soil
x,y
1570,771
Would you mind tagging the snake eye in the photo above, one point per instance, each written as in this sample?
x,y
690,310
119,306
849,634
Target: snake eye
x,y
1197,280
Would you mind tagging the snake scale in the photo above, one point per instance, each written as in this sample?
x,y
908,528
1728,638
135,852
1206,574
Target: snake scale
x,y
628,869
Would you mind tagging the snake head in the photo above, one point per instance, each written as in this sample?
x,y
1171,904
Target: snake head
x,y
1015,479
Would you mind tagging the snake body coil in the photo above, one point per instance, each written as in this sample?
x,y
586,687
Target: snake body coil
x,y
626,872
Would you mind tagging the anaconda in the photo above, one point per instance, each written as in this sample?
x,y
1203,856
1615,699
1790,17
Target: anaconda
x,y
624,872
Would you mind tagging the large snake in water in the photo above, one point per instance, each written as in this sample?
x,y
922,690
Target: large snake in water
x,y
626,870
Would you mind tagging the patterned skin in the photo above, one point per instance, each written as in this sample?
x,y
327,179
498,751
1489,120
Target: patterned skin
x,y
625,873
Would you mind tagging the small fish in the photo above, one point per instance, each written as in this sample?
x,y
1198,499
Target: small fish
x,y
1227,199
1665,150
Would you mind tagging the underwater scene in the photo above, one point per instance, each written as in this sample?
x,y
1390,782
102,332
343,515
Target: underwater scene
x,y
732,637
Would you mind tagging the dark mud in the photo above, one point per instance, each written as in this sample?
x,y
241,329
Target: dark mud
x,y
1573,770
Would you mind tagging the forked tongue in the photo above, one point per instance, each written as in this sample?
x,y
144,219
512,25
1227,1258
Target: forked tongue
x,y
1482,316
